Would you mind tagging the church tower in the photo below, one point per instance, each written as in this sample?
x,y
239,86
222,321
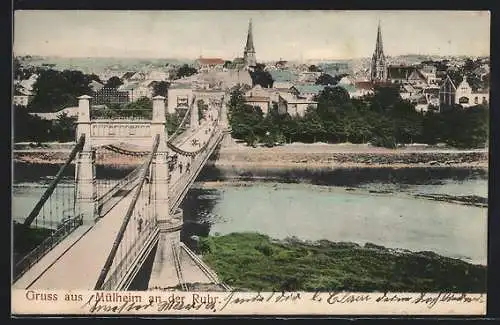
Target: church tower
x,y
378,71
249,52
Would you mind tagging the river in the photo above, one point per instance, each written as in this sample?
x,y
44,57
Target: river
x,y
313,212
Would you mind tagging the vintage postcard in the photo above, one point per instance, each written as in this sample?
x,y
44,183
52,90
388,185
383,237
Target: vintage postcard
x,y
250,162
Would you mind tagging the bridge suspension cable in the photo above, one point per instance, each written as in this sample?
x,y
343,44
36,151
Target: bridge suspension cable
x,y
56,211
48,192
127,237
180,126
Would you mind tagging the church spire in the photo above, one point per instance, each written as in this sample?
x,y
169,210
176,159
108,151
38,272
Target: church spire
x,y
249,46
379,48
378,65
249,52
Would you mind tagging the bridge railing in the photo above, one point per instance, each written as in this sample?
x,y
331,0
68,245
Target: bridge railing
x,y
124,247
121,269
208,272
46,245
178,266
180,186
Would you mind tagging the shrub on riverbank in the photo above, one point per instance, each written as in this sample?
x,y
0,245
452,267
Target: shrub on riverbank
x,y
251,261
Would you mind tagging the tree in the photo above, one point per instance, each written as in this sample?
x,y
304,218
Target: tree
x,y
330,100
28,127
245,120
113,82
54,90
326,80
64,128
261,77
160,88
385,98
95,77
143,108
313,68
185,71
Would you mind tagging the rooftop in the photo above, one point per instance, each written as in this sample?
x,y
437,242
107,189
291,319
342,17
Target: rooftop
x,y
282,75
256,99
210,61
310,89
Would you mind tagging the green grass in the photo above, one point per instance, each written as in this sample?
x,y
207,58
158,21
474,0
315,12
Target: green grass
x,y
251,261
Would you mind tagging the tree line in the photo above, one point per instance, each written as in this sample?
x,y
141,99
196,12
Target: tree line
x,y
382,119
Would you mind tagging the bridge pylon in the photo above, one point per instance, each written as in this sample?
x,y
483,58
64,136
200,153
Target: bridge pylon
x,y
86,190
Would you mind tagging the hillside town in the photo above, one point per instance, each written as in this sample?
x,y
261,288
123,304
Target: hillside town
x,y
294,86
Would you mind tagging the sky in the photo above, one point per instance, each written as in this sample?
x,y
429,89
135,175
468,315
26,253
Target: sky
x,y
290,35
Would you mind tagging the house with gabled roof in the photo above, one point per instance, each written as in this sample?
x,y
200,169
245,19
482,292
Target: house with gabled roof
x,y
127,75
463,95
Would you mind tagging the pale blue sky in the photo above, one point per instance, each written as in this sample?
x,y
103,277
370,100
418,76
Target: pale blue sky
x,y
292,35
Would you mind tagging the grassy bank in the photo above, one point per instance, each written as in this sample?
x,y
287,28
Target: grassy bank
x,y
250,261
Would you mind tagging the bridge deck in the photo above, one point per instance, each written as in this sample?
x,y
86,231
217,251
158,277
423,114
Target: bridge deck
x,y
80,267
50,258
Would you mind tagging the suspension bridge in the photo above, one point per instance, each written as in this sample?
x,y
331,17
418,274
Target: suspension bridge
x,y
103,231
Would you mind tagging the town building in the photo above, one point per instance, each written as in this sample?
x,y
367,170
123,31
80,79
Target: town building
x,y
449,94
283,75
263,102
136,90
399,74
282,85
21,100
281,65
179,97
287,103
308,77
209,64
249,52
309,91
466,97
430,74
108,95
378,68
357,89
158,75
95,85
335,68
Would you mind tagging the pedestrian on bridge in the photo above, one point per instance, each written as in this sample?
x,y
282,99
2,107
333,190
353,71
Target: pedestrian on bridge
x,y
139,225
180,167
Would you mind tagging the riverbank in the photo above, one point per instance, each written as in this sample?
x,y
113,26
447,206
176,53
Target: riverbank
x,y
289,156
347,156
265,264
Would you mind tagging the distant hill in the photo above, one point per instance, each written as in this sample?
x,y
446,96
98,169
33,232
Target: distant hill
x,y
94,65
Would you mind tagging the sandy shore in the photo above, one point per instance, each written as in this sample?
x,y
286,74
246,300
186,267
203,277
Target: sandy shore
x,y
346,155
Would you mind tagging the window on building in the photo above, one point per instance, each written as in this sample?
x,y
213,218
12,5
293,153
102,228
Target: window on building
x,y
463,100
476,100
485,101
